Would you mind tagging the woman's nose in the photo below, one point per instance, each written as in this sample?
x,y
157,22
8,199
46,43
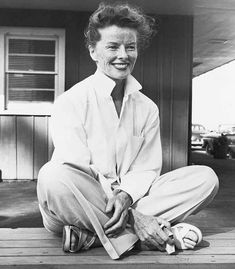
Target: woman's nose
x,y
122,53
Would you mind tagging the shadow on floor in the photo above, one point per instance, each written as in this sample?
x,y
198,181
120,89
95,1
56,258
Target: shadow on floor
x,y
220,213
19,207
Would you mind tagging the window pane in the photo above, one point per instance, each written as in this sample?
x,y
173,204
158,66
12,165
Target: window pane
x,y
35,81
32,46
32,63
31,69
30,96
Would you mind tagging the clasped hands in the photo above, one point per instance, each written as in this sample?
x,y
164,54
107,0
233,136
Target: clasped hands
x,y
147,228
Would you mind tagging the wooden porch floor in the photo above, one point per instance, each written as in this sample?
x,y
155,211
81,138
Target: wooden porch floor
x,y
36,248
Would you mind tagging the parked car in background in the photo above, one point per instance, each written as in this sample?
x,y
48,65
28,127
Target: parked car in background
x,y
220,143
196,138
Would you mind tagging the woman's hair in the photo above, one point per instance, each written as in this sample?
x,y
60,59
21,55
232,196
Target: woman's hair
x,y
121,15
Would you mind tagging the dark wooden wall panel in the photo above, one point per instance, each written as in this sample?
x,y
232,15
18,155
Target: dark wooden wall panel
x,y
164,69
174,75
182,83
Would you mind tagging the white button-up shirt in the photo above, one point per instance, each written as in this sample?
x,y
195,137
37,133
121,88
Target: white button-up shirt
x,y
88,134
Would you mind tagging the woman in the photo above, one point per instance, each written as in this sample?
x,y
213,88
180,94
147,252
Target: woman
x,y
103,184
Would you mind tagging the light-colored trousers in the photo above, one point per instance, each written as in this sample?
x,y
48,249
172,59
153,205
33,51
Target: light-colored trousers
x,y
71,196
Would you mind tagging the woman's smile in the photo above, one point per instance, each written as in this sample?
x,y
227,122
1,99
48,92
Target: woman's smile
x,y
121,66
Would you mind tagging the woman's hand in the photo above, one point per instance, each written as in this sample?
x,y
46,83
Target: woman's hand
x,y
119,205
149,231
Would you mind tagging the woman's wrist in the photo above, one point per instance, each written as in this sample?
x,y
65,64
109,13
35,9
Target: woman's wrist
x,y
124,195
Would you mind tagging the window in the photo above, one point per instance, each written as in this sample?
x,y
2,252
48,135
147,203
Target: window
x,y
32,73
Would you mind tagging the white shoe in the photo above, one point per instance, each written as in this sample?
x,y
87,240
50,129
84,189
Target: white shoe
x,y
85,239
180,231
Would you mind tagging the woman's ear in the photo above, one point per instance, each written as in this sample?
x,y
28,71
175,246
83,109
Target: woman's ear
x,y
92,51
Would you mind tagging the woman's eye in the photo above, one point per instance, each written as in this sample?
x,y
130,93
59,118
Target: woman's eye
x,y
131,48
112,47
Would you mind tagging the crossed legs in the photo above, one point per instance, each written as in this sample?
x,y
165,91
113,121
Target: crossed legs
x,y
173,196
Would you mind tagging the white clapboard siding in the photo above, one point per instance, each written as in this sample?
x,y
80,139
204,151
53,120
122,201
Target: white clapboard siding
x,y
25,145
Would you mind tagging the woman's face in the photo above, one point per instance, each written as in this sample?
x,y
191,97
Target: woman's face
x,y
116,52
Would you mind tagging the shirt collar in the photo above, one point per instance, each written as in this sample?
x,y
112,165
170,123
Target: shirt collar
x,y
104,85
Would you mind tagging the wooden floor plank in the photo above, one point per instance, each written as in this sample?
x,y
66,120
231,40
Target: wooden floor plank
x,y
217,229
24,231
138,259
30,243
36,248
41,233
120,266
25,236
57,243
57,251
44,231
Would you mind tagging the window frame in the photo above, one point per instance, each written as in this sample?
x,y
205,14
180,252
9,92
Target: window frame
x,y
57,34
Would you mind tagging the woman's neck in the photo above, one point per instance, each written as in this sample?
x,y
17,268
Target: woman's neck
x,y
117,95
118,91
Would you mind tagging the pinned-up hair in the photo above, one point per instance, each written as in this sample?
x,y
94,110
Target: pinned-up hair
x,y
121,15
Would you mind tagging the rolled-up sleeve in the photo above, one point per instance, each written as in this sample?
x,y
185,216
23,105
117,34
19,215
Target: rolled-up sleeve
x,y
148,162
